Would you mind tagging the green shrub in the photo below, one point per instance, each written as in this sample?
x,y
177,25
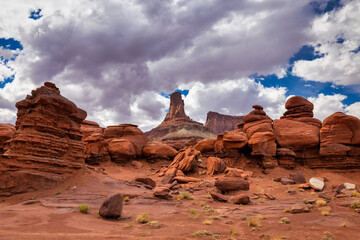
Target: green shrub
x,y
126,199
83,208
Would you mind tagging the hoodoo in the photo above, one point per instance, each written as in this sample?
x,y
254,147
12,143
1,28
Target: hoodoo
x,y
177,126
47,145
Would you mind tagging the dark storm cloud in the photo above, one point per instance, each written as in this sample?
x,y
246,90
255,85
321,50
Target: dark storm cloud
x,y
115,51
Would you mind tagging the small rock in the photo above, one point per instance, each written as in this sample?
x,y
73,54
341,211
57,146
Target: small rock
x,y
349,186
304,185
172,186
269,196
241,199
287,181
112,206
299,208
310,201
137,164
29,202
340,189
219,197
324,196
229,222
186,179
162,192
298,177
317,183
357,210
147,181
277,179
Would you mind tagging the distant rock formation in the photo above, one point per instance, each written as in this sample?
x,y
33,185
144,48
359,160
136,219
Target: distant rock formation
x,y
47,146
219,123
177,126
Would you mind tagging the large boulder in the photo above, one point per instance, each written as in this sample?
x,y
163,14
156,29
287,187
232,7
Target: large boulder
x,y
121,150
296,135
159,150
112,207
339,133
47,146
96,149
231,184
235,139
129,132
205,145
89,127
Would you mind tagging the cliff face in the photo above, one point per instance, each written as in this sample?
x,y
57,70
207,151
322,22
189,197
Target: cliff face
x,y
47,146
177,125
219,123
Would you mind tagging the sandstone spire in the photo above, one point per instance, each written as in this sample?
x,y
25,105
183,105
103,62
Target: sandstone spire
x,y
176,109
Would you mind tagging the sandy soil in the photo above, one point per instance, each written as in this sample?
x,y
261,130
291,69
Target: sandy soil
x,y
55,215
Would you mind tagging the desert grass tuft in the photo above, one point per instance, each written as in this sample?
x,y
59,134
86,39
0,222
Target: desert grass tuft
x,y
206,234
321,203
83,208
185,195
142,218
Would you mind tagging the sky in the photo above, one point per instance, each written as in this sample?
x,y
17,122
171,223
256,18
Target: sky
x,y
121,59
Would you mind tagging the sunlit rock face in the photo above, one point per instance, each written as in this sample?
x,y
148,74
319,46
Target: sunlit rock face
x,y
47,145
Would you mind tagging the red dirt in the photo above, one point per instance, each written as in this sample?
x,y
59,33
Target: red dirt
x,y
56,215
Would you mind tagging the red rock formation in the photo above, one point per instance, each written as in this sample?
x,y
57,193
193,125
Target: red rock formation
x,y
339,142
297,130
89,127
96,149
261,137
159,150
235,139
205,145
219,123
215,165
47,146
121,150
177,126
185,160
127,133
7,131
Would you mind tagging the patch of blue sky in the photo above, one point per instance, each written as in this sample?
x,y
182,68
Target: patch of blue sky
x,y
184,92
10,43
35,14
298,86
324,6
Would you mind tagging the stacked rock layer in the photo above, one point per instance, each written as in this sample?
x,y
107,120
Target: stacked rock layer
x,y
47,145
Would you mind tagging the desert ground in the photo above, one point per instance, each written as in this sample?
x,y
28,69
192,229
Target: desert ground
x,y
53,213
